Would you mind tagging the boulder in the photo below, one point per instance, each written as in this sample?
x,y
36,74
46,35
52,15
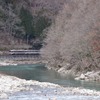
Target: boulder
x,y
82,77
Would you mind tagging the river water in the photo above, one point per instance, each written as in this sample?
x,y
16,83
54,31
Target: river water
x,y
40,73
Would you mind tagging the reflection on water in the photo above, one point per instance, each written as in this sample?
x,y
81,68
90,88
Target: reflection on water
x,y
40,73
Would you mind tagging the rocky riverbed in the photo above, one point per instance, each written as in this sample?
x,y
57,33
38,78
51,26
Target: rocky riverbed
x,y
13,88
87,76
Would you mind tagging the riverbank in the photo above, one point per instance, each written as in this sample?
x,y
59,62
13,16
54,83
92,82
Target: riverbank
x,y
10,85
7,62
93,75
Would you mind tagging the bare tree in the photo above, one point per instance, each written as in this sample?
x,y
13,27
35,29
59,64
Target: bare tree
x,y
11,21
69,38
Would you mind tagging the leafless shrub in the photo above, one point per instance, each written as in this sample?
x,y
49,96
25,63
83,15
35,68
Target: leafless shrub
x,y
70,39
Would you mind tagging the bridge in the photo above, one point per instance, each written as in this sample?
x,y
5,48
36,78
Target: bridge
x,y
24,52
21,55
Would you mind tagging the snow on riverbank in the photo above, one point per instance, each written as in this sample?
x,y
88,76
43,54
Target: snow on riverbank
x,y
10,84
89,76
17,62
7,63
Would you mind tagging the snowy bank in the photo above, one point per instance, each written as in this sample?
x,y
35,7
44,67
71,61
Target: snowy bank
x,y
10,84
17,62
7,63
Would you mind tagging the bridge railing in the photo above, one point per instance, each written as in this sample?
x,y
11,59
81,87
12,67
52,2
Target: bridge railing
x,y
24,52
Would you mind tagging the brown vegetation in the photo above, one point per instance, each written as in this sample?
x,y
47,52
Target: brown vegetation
x,y
73,41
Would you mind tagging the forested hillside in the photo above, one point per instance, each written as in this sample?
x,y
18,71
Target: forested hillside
x,y
73,41
23,21
69,29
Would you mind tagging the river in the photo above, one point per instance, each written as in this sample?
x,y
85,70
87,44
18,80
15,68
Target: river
x,y
40,73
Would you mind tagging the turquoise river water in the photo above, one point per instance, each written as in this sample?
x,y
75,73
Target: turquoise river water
x,y
40,73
